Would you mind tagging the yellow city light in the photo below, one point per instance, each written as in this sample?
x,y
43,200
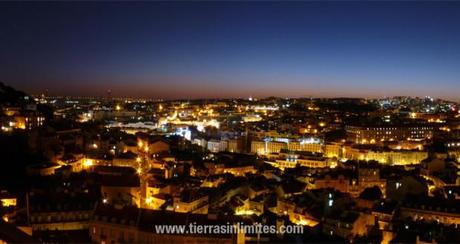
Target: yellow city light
x,y
88,162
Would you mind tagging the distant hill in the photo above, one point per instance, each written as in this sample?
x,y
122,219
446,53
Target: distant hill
x,y
11,96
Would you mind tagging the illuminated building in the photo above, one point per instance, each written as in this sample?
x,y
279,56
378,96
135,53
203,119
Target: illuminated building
x,y
240,170
7,200
306,145
156,201
183,132
213,181
217,145
200,142
285,207
235,145
406,145
393,157
453,148
376,134
28,121
158,145
397,157
333,150
267,147
199,122
313,145
294,159
252,118
151,145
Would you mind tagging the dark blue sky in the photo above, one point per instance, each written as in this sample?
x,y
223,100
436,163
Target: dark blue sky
x,y
232,49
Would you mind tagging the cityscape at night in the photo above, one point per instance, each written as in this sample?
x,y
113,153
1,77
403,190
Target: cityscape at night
x,y
230,122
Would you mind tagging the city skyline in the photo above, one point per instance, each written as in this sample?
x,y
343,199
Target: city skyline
x,y
230,122
230,50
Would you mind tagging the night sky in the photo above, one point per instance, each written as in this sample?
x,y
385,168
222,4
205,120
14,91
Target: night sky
x,y
232,49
